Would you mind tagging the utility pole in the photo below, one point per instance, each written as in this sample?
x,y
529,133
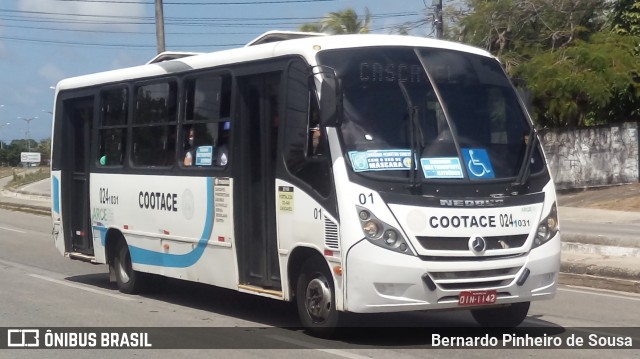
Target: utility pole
x,y
1,126
28,121
437,21
159,26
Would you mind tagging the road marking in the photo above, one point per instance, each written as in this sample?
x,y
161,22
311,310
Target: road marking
x,y
81,287
308,345
12,230
635,299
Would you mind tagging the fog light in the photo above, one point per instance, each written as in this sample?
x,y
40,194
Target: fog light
x,y
542,232
390,237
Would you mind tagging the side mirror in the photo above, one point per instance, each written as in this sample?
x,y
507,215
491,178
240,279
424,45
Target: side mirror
x,y
330,97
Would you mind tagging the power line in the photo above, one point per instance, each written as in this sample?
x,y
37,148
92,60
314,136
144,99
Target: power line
x,y
190,33
202,3
174,21
131,46
190,18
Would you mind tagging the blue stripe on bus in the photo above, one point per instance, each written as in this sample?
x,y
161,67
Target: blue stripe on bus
x,y
103,234
56,195
149,257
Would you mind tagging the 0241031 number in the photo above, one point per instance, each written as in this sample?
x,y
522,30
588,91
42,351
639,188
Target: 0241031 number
x,y
506,220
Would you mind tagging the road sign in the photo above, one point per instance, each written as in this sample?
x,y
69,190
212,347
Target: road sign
x,y
30,157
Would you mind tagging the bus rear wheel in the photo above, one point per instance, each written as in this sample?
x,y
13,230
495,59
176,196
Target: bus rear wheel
x,y
128,280
506,317
315,298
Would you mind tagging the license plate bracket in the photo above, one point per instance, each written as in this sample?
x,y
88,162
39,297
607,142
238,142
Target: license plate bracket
x,y
477,297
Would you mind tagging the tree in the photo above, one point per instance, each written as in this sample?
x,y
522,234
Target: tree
x,y
515,25
626,17
311,27
579,71
341,22
44,147
591,82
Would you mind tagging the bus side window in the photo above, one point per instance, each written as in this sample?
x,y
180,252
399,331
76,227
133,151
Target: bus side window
x,y
112,129
154,124
206,131
316,138
305,150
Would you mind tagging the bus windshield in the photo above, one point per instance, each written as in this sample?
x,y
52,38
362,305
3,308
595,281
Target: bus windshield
x,y
457,111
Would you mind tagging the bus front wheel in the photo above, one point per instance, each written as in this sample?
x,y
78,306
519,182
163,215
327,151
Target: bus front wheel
x,y
507,317
128,280
315,298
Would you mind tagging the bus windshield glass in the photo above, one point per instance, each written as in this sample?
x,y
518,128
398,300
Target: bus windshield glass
x,y
456,111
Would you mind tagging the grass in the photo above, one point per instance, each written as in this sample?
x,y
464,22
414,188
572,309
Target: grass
x,y
21,177
6,171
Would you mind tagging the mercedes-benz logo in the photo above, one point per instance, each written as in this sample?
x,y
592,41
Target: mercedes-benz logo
x,y
477,244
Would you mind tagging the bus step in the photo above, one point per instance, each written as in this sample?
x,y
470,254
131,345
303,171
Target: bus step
x,y
253,288
82,257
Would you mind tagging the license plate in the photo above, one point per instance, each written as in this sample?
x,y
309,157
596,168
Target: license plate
x,y
477,297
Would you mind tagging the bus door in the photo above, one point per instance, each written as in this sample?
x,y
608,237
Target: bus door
x,y
74,138
259,96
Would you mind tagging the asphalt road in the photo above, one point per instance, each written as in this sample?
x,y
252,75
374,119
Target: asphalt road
x,y
38,287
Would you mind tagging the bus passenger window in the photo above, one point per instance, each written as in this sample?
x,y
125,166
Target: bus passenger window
x,y
154,127
112,131
207,115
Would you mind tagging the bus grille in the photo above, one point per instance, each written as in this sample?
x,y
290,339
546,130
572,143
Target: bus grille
x,y
463,280
462,243
331,235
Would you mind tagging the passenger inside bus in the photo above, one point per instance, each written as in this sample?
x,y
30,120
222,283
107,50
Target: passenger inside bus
x,y
207,144
189,148
222,149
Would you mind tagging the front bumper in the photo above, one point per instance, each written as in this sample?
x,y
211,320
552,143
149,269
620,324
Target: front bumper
x,y
379,280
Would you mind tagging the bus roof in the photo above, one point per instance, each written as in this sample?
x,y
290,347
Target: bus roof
x,y
307,47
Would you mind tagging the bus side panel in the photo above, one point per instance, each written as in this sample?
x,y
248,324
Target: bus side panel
x,y
181,227
56,213
303,222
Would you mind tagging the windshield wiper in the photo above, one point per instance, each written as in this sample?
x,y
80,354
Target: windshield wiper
x,y
416,137
525,168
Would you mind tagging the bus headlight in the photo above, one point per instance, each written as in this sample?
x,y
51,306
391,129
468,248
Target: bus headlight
x,y
547,228
370,229
382,234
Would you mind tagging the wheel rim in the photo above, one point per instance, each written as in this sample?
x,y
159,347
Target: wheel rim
x,y
124,265
318,299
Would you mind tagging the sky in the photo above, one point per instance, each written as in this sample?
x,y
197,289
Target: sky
x,y
45,41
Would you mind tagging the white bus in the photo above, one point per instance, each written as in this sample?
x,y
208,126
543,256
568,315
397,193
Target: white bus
x,y
355,173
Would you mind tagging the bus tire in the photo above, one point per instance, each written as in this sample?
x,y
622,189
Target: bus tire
x,y
506,317
128,280
315,298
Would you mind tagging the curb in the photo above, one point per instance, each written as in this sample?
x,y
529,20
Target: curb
x,y
625,242
601,271
592,281
20,207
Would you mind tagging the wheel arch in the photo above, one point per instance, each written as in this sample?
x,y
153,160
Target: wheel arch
x,y
112,239
296,259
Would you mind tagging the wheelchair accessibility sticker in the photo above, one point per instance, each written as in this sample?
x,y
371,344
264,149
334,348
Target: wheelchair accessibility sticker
x,y
478,163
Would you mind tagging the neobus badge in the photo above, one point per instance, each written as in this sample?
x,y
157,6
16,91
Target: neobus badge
x,y
471,202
